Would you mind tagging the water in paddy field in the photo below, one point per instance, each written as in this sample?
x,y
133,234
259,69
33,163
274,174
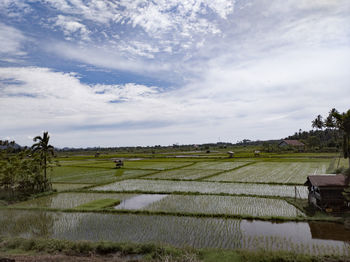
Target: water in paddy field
x,y
140,201
302,237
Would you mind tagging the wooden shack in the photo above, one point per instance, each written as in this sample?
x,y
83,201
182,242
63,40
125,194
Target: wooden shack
x,y
230,154
118,163
325,191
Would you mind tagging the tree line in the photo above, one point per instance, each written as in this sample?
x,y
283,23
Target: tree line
x,y
25,172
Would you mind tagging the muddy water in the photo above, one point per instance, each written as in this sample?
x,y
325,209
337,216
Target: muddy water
x,y
316,238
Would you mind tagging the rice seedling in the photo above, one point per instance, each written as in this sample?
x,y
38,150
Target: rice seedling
x,y
176,231
253,206
69,200
65,186
167,186
86,175
82,175
184,174
160,165
274,172
218,165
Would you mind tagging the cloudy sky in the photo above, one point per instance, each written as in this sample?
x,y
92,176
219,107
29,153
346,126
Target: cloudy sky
x,y
142,72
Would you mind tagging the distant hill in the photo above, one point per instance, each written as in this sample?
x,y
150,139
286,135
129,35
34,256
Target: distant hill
x,y
6,145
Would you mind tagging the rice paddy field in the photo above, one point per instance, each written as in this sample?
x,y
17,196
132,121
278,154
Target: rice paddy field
x,y
163,186
199,201
69,200
274,172
174,230
252,206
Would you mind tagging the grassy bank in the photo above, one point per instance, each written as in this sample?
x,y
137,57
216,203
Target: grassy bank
x,y
145,252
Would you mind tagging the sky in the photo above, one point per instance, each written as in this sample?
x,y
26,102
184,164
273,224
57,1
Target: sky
x,y
139,72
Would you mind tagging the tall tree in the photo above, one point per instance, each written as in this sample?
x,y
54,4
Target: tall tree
x,y
318,122
340,122
45,150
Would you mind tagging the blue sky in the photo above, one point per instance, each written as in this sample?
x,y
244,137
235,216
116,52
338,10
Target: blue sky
x,y
139,72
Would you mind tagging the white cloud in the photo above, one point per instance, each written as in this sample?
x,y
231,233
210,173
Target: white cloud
x,y
71,26
178,21
11,41
138,48
257,70
14,8
268,99
107,58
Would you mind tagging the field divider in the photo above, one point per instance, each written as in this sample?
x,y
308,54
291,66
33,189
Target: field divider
x,y
179,214
87,166
72,183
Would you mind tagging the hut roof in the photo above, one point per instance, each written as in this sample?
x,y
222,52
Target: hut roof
x,y
293,142
328,181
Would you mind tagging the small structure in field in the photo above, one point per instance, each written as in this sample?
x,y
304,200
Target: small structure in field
x,y
230,154
326,191
292,144
118,163
256,153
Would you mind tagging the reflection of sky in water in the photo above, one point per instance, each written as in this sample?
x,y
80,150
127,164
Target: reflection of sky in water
x,y
140,201
295,231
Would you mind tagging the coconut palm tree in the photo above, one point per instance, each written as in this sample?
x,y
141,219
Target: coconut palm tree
x,y
341,121
318,122
45,151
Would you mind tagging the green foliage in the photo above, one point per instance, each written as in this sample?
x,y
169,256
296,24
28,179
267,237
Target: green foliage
x,y
25,172
156,252
21,173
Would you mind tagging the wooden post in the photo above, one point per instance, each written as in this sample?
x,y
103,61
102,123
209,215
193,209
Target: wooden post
x,y
295,193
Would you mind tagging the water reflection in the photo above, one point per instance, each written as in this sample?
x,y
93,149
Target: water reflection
x,y
140,201
313,237
333,231
26,223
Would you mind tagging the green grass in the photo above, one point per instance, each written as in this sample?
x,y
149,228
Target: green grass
x,y
66,187
219,255
92,175
84,175
150,252
99,204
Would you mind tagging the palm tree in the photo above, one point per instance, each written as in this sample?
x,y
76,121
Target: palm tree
x,y
342,122
45,151
318,122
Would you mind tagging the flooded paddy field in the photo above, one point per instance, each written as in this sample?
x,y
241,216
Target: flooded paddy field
x,y
302,237
160,186
69,200
181,202
274,172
